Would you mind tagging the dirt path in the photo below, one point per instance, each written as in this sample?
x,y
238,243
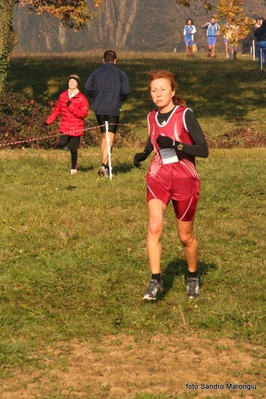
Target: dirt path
x,y
119,367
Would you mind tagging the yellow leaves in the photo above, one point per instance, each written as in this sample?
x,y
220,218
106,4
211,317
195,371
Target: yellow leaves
x,y
71,13
184,3
98,3
239,26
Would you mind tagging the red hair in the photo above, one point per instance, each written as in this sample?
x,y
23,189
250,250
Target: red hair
x,y
152,75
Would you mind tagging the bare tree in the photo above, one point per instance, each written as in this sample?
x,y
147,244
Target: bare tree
x,y
114,23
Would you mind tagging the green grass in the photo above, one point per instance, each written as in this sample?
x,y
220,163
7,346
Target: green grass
x,y
72,248
224,94
73,257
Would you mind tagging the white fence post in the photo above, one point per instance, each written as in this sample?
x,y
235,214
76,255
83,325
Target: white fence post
x,y
109,149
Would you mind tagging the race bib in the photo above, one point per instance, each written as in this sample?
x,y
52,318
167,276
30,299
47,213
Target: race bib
x,y
168,155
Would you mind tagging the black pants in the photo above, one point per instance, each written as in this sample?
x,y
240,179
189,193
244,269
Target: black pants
x,y
112,119
73,143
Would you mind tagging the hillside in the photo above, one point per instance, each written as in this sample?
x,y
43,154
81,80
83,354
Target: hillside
x,y
158,26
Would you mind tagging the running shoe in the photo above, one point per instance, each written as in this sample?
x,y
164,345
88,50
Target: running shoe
x,y
193,290
103,171
74,171
152,290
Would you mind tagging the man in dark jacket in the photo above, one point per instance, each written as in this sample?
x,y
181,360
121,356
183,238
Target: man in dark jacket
x,y
107,87
260,34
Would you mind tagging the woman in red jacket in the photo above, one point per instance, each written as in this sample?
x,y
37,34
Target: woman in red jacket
x,y
73,107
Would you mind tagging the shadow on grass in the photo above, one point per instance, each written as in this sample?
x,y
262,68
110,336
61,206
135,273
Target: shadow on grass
x,y
178,267
196,75
85,169
124,167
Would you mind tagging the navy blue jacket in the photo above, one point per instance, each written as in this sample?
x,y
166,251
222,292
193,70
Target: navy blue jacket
x,y
260,33
107,86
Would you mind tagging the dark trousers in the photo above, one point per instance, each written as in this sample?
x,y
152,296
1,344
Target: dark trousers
x,y
262,46
112,119
73,144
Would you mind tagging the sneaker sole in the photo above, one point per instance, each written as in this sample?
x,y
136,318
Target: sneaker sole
x,y
102,173
149,298
193,297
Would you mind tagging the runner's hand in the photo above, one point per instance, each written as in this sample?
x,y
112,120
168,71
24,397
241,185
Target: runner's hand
x,y
140,157
165,142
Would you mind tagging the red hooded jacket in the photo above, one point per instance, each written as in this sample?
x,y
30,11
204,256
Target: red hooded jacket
x,y
72,115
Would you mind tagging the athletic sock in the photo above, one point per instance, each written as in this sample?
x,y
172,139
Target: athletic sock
x,y
192,274
156,277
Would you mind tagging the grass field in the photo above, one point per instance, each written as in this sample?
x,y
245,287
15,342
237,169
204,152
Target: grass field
x,y
224,94
74,263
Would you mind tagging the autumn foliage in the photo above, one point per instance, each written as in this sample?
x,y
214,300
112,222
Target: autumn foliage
x,y
70,13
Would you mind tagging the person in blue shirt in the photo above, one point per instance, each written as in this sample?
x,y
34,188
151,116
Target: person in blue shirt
x,y
260,34
189,32
212,32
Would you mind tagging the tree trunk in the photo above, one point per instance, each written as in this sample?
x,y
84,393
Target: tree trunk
x,y
125,19
62,37
7,39
129,23
114,24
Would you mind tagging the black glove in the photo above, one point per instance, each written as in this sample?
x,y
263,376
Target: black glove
x,y
68,103
165,142
140,157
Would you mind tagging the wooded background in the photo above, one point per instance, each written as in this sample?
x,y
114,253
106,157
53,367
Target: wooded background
x,y
137,25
